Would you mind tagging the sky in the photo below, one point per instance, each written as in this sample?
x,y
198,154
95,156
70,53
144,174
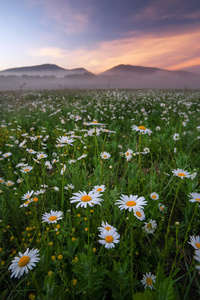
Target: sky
x,y
98,35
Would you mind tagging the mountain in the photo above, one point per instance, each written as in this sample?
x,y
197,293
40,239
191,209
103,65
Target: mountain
x,y
50,76
193,69
44,70
127,70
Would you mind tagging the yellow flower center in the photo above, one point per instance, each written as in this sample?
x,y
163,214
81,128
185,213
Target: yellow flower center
x,y
27,202
9,183
26,170
181,174
35,199
108,228
99,189
197,199
52,218
153,196
28,196
138,213
109,239
198,245
94,122
149,281
161,207
142,128
131,203
149,225
23,261
104,156
127,153
86,198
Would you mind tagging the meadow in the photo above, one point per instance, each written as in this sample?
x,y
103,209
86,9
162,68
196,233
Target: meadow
x,y
99,195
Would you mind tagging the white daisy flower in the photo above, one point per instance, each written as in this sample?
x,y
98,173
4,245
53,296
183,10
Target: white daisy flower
x,y
26,169
176,137
141,129
131,202
27,195
106,226
85,199
26,203
150,226
109,238
195,241
64,140
25,261
139,214
181,173
7,154
146,150
128,154
161,207
194,197
154,196
105,155
9,183
2,180
99,188
31,151
197,257
148,280
52,217
41,155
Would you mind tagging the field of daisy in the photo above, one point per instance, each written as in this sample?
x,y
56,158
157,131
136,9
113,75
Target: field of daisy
x,y
99,195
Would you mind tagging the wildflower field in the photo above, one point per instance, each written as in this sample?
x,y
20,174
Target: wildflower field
x,y
99,195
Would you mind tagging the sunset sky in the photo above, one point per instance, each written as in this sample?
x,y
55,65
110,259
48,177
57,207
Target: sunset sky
x,y
98,35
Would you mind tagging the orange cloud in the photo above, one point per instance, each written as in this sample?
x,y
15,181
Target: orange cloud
x,y
171,51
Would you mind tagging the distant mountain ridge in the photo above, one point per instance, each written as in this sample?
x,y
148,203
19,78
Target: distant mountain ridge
x,y
50,76
44,69
130,69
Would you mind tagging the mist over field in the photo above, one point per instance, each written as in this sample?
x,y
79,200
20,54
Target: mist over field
x,y
120,77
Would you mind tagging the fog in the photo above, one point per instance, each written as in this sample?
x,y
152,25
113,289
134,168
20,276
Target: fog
x,y
157,80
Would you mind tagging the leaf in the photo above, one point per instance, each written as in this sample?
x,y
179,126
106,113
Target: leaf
x,y
166,290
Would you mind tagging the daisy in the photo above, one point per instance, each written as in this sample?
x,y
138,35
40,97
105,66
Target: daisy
x,y
128,154
161,207
176,137
109,238
27,195
139,214
26,203
52,217
195,197
106,226
26,169
31,151
181,173
7,154
131,202
197,257
9,183
141,129
146,150
195,241
85,199
25,261
105,155
154,196
65,140
41,155
148,280
99,188
150,226
1,180
19,180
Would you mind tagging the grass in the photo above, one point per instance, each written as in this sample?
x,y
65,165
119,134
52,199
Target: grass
x,y
73,263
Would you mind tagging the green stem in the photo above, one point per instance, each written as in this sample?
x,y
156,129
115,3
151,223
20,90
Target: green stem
x,y
188,229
